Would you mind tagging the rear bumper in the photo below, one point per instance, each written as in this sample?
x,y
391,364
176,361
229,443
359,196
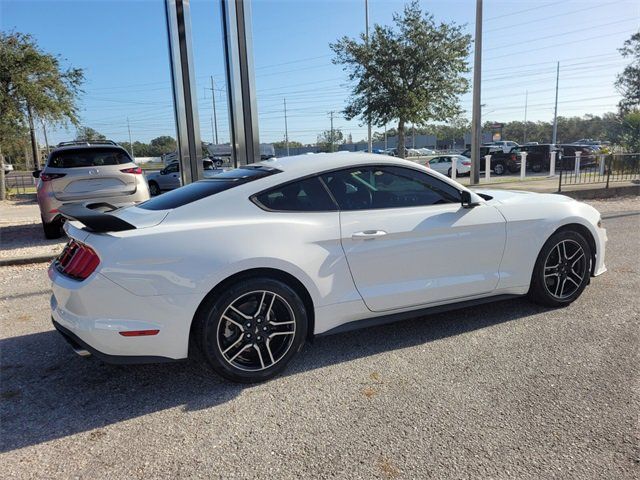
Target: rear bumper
x,y
93,312
80,347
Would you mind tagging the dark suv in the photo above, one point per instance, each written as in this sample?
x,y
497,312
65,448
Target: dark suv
x,y
500,161
539,155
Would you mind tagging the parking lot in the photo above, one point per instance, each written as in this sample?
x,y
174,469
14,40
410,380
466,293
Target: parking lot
x,y
509,390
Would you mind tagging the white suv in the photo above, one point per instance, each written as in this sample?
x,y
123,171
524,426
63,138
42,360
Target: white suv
x,y
505,146
87,172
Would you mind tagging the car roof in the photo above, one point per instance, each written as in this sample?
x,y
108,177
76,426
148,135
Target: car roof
x,y
302,165
82,146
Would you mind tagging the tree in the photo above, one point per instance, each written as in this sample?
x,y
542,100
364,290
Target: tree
x,y
628,82
409,73
283,144
161,145
87,134
328,139
34,84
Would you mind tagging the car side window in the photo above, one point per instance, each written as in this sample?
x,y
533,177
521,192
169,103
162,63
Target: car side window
x,y
387,187
308,195
171,168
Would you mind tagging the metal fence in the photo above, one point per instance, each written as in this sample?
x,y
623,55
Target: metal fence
x,y
607,169
18,183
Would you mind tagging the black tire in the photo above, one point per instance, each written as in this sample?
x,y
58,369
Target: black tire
x,y
536,167
499,168
449,173
546,277
52,230
154,189
211,326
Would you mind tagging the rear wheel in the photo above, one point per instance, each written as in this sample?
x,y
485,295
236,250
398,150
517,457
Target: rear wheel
x,y
562,269
154,189
52,229
498,168
250,331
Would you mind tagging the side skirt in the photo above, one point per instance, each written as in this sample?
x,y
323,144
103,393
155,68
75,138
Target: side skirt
x,y
397,317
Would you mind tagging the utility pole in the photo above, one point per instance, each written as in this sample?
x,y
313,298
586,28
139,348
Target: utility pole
x,y
130,142
215,116
331,135
476,126
555,112
3,186
44,130
366,20
34,140
286,128
526,100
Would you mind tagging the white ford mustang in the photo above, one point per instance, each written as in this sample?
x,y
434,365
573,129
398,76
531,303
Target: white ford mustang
x,y
244,267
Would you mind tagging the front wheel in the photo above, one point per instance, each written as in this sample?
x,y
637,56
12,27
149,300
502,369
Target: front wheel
x,y
562,270
498,169
250,331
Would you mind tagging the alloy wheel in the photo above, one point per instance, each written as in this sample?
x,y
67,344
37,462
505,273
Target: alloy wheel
x,y
256,331
564,269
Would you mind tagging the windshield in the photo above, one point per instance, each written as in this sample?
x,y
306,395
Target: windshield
x,y
88,157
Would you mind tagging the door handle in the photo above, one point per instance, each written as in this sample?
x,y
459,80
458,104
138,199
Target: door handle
x,y
368,234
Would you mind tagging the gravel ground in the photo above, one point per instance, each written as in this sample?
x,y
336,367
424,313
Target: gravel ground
x,y
508,390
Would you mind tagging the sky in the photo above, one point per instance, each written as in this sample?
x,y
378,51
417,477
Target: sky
x,y
122,47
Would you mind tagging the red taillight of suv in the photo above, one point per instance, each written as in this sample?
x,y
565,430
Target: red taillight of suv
x,y
46,177
77,261
134,170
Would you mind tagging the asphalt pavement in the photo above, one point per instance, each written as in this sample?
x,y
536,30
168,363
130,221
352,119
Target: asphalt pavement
x,y
506,390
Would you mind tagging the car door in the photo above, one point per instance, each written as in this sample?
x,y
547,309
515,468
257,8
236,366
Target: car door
x,y
171,177
408,240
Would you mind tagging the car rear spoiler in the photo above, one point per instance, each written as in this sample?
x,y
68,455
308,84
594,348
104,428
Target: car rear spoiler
x,y
96,217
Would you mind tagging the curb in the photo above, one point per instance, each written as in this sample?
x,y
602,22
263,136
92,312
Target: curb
x,y
594,193
10,261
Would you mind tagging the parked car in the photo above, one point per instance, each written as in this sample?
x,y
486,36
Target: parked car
x,y
169,177
539,155
444,164
500,162
241,269
85,172
588,156
505,146
426,151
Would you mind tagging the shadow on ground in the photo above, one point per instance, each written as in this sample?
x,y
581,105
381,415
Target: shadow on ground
x,y
26,235
48,392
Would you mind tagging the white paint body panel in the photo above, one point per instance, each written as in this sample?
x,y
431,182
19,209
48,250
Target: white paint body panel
x,y
156,276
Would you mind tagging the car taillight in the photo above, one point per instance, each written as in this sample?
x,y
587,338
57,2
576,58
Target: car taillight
x,y
134,170
46,177
466,164
513,157
77,261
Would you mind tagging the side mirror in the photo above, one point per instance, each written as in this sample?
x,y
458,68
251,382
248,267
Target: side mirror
x,y
36,173
163,172
465,199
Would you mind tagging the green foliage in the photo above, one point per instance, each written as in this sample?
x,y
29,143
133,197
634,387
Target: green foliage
x,y
330,139
629,134
155,148
292,144
86,134
32,78
628,82
409,73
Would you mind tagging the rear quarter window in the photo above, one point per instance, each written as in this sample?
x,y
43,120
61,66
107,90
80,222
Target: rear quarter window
x,y
308,195
205,188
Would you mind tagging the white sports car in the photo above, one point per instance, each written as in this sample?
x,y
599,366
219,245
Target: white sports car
x,y
244,267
